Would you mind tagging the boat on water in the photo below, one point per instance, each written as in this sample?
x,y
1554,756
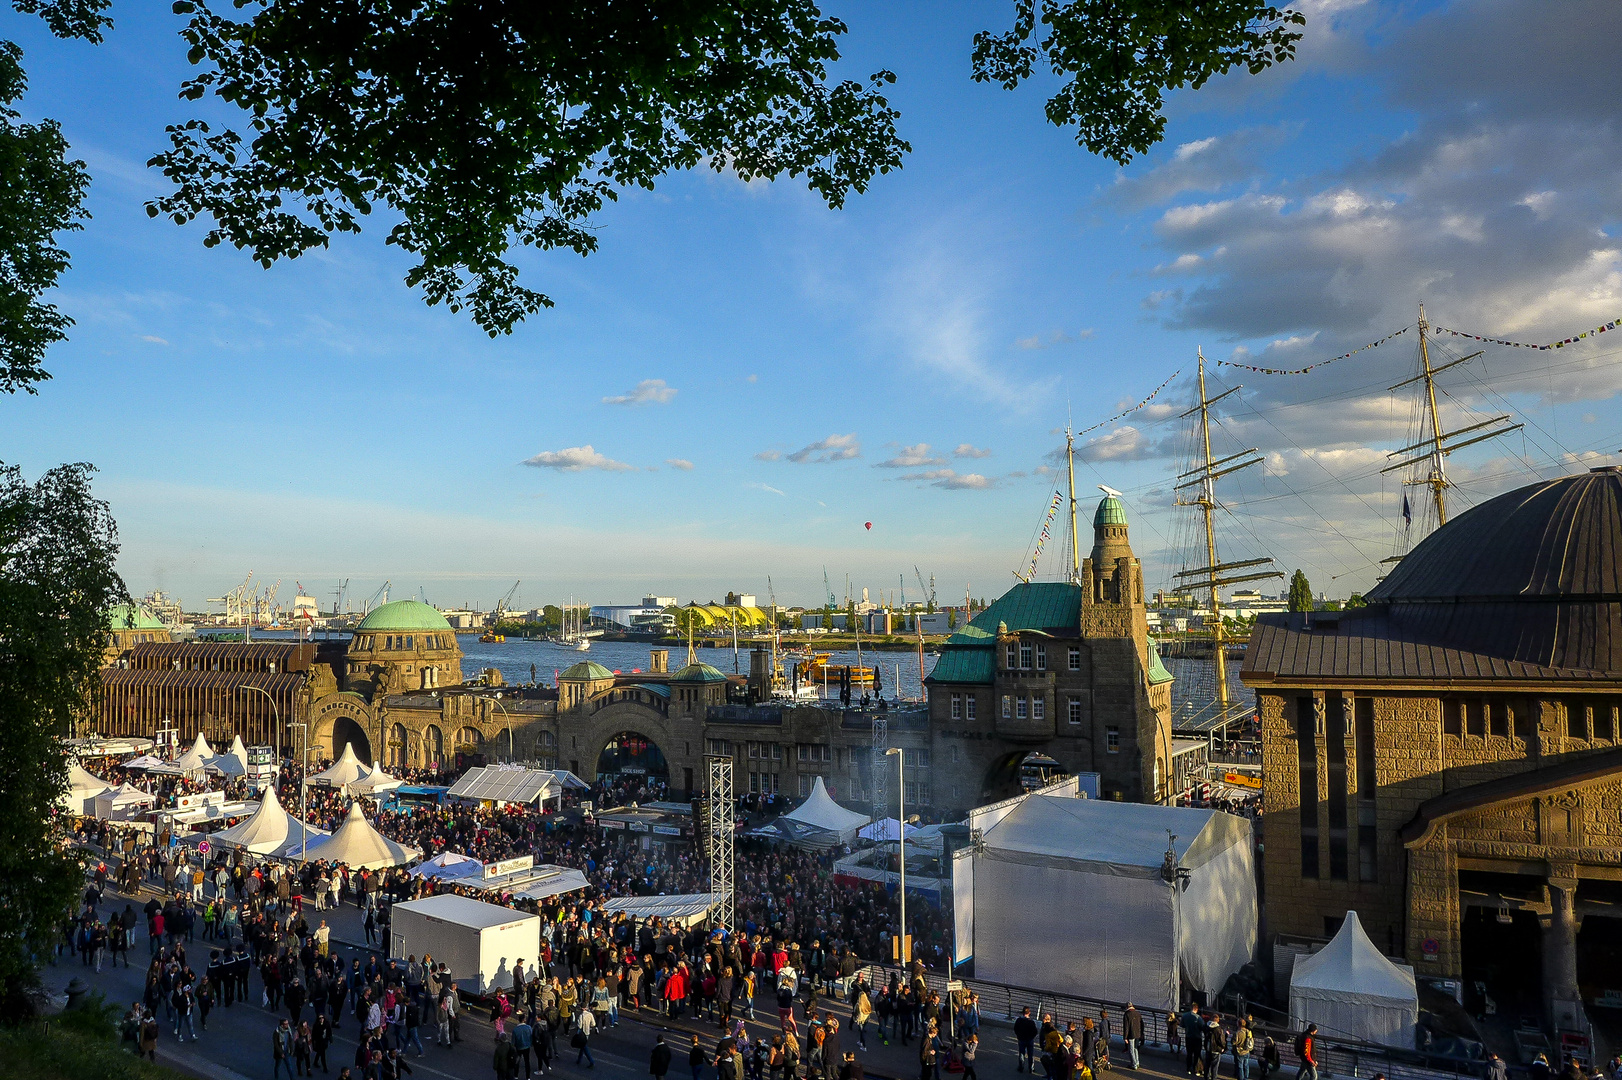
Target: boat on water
x,y
816,668
490,637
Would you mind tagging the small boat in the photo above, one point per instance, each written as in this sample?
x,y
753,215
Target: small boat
x,y
583,645
817,668
490,637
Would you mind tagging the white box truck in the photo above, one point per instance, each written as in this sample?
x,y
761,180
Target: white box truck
x,y
480,942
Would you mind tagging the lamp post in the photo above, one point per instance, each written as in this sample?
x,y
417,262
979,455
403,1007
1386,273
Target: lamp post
x,y
511,750
303,791
905,951
276,712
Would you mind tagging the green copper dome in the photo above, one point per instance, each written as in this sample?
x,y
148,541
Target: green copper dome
x,y
1110,512
699,672
134,617
404,615
585,671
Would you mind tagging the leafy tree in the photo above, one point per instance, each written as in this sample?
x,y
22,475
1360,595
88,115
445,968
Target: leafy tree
x,y
483,125
1356,600
42,193
1121,56
951,618
57,583
1300,592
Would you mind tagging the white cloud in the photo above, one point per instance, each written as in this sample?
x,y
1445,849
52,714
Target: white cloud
x,y
952,480
1055,337
833,448
912,457
646,392
753,378
969,450
577,459
766,488
679,463
768,455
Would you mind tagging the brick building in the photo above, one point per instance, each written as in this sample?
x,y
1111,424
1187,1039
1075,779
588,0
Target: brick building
x,y
1446,761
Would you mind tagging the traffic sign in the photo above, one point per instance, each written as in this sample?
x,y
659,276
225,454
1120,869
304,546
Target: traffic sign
x,y
203,847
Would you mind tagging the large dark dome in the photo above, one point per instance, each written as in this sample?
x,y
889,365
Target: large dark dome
x,y
1533,575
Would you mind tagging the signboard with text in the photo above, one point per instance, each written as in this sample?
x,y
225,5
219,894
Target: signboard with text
x,y
508,866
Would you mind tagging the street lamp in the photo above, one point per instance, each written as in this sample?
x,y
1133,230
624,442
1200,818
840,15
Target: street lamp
x,y
511,750
905,952
303,792
275,712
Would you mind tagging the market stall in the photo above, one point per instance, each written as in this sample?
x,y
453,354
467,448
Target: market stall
x,y
79,797
506,784
122,803
687,909
269,830
356,844
1350,989
342,773
818,822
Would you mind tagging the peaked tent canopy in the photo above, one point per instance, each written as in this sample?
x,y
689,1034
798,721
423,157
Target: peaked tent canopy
x,y
819,822
80,794
193,760
269,830
448,866
356,844
343,772
375,781
234,762
116,804
888,830
1349,988
143,763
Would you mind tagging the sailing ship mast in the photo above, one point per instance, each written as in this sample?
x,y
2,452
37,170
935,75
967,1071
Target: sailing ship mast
x,y
1202,480
1075,540
1437,447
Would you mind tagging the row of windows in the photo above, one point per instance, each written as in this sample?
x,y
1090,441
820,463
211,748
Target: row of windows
x,y
1587,718
1020,708
774,751
963,706
1331,725
1033,656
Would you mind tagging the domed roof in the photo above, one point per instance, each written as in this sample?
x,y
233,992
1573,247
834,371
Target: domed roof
x,y
404,615
699,672
1109,512
135,617
1561,539
1533,575
585,671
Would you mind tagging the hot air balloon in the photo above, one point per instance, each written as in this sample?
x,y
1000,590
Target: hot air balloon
x,y
869,526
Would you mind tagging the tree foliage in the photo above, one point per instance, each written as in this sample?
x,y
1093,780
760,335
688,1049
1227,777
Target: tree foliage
x,y
481,126
1122,56
1300,592
42,194
57,582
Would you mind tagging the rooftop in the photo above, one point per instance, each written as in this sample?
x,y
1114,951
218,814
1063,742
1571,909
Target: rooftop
x,y
404,615
585,671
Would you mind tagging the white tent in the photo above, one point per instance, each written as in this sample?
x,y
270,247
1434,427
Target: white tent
x,y
448,866
685,908
819,821
118,804
888,830
1349,988
271,828
80,794
193,760
356,844
375,781
1015,897
143,763
552,881
234,762
344,772
506,784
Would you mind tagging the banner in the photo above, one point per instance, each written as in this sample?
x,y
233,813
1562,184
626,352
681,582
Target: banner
x,y
1321,363
1133,409
1561,344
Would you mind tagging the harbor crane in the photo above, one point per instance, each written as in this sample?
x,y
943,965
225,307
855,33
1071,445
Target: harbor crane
x,y
506,601
338,596
233,601
833,601
929,590
381,594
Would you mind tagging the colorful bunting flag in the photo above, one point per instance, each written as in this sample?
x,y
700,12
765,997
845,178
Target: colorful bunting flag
x,y
1133,409
1561,344
1320,363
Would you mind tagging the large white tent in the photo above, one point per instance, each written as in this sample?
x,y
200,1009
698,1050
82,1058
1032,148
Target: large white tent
x,y
343,772
234,762
685,908
271,828
356,844
1349,988
448,866
1146,927
819,822
121,803
374,782
79,797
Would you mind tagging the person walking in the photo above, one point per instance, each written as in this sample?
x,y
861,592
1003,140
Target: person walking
x,y
1132,1033
971,1050
1306,1049
301,1051
1025,1035
503,1058
523,1043
281,1050
320,1039
1216,1041
659,1059
1244,1044
584,1025
697,1059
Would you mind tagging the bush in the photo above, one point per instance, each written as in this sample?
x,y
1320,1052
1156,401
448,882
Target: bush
x,y
60,1050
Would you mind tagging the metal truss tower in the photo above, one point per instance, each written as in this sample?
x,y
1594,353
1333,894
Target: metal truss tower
x,y
719,825
879,768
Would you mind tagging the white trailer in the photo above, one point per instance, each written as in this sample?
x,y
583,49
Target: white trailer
x,y
480,942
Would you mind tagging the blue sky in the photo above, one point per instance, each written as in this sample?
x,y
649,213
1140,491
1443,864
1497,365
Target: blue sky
x,y
792,372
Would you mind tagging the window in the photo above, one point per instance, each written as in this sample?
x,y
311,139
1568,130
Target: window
x,y
815,752
718,747
1073,710
1013,656
917,792
1112,740
1075,658
1367,784
1007,707
1039,708
1475,717
408,641
957,706
1041,657
1604,721
1576,718
1452,716
969,706
777,753
1025,654
1335,753
1306,751
1021,707
916,759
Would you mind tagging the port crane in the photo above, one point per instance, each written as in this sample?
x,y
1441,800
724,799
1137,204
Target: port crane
x,y
506,601
338,596
929,590
233,601
833,601
382,594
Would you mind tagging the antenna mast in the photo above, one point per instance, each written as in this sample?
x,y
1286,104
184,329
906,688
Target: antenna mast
x,y
1203,480
1075,540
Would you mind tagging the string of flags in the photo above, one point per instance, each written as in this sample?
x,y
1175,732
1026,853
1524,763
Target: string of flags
x,y
1047,528
1321,363
1133,409
1561,344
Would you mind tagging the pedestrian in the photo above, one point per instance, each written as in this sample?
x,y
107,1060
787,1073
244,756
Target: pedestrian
x,y
585,1024
320,1039
503,1057
659,1060
971,1050
1306,1050
927,1062
1025,1035
1132,1033
861,1013
543,1048
697,1059
1497,1070
281,1049
1244,1044
523,1042
301,1051
1216,1041
149,1036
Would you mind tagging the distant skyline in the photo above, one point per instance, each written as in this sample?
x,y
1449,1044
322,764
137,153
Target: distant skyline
x,y
740,379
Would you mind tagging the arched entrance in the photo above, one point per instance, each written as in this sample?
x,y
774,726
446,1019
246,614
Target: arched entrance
x,y
469,748
345,732
433,746
634,767
398,744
